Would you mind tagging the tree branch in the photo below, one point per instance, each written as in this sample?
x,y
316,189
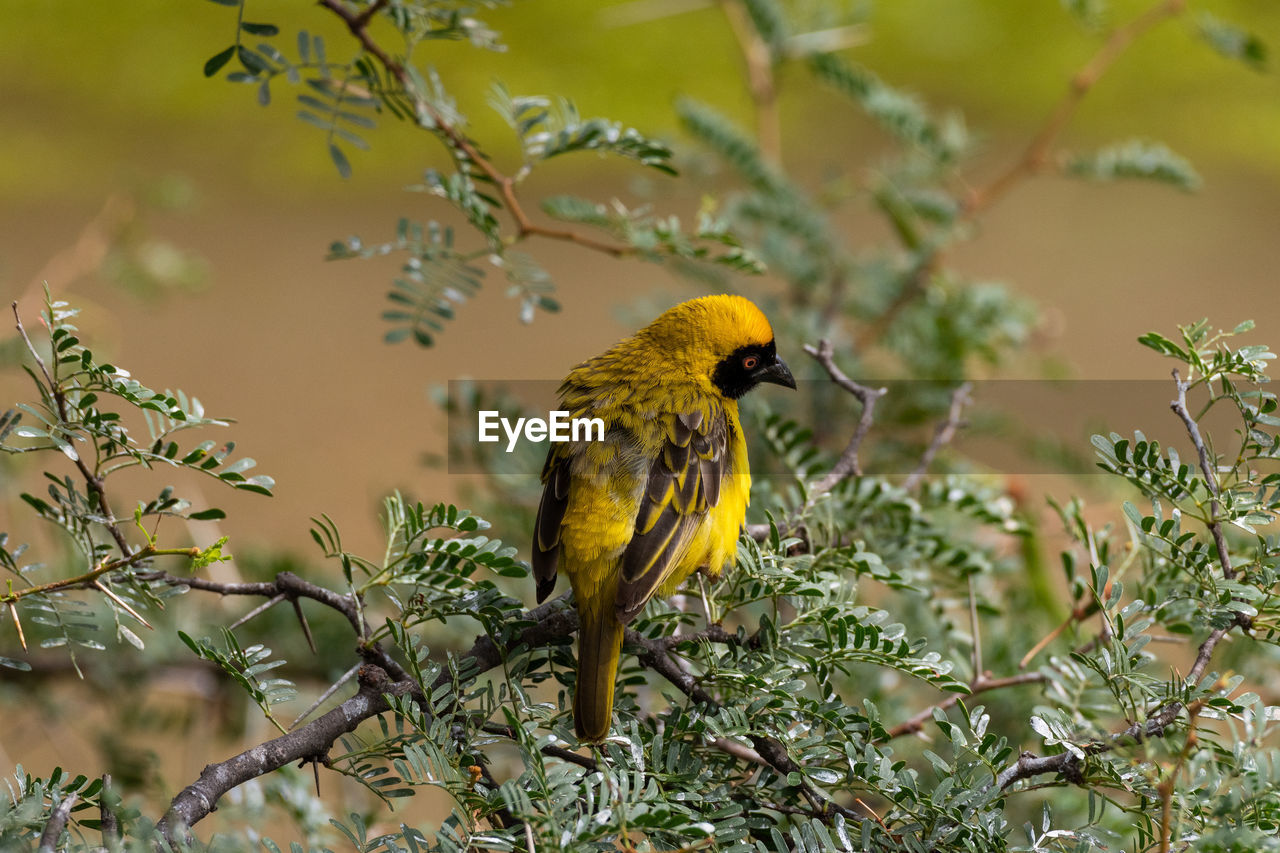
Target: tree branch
x,y
1068,763
847,464
942,436
758,60
57,823
545,623
312,741
90,577
654,655
463,149
1032,160
1179,406
1038,152
1028,764
982,684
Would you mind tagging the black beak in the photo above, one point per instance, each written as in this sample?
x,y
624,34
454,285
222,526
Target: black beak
x,y
778,373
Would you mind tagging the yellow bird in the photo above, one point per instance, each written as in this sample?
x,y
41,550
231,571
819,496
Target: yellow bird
x,y
665,493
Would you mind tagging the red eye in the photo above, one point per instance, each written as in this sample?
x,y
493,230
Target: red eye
x,y
750,362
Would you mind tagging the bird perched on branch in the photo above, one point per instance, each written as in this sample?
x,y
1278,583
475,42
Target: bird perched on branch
x,y
665,493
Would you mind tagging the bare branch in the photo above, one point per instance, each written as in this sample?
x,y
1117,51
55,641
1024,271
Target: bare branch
x,y
943,435
57,823
1179,406
847,465
758,61
545,623
309,742
981,684
286,584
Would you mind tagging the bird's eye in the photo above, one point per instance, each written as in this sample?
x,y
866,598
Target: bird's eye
x,y
750,362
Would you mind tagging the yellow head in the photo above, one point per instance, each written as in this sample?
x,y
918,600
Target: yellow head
x,y
725,338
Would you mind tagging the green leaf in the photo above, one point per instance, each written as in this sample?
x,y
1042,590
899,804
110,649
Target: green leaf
x,y
1088,13
1233,42
1136,158
214,64
260,29
1164,346
340,160
253,62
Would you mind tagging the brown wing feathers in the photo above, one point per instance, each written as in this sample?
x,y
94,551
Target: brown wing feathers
x,y
683,483
551,509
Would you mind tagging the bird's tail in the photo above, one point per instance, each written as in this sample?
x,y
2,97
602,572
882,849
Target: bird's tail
x,y
599,645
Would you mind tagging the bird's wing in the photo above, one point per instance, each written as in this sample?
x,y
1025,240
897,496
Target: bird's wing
x,y
683,484
551,509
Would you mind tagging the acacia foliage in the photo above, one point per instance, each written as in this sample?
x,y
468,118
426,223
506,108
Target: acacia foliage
x,y
867,679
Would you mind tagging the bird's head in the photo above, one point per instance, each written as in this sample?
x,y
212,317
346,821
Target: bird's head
x,y
724,338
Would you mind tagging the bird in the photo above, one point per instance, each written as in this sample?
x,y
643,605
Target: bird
x,y
664,494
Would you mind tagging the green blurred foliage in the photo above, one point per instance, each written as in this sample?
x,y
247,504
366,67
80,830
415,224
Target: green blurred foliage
x,y
73,134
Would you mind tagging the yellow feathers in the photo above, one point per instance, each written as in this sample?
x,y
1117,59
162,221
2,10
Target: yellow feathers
x,y
665,494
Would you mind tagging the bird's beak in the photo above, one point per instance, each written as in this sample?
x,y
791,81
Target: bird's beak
x,y
778,373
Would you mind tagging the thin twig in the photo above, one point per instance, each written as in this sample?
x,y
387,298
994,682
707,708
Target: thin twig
x,y
90,578
847,464
1029,764
93,483
1179,406
463,149
976,630
653,654
1038,152
547,622
943,435
981,684
550,750
758,60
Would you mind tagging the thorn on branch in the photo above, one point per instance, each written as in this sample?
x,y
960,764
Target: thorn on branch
x,y
333,688
17,625
302,620
257,611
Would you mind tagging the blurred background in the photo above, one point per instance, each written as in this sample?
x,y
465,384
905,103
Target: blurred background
x,y
222,212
